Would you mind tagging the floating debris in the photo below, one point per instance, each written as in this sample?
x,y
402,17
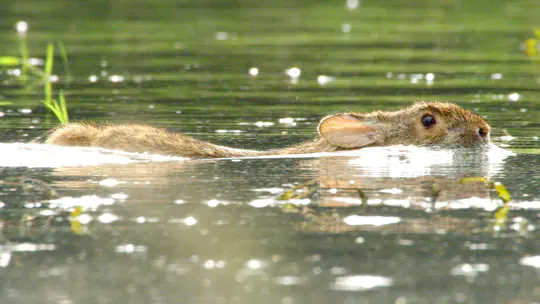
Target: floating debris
x,y
116,78
346,28
229,131
496,76
514,97
222,35
22,27
531,46
352,4
253,72
363,196
190,221
323,79
294,192
469,270
261,124
361,282
293,72
286,120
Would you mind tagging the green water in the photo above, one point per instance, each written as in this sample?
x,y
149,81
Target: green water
x,y
212,231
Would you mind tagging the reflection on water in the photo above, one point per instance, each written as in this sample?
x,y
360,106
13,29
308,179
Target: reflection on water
x,y
216,230
383,225
48,156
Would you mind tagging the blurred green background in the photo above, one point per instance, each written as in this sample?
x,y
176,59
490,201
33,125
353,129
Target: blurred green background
x,y
185,64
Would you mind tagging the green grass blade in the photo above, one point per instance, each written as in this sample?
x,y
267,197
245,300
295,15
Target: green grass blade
x,y
49,59
57,107
36,71
64,55
51,106
48,70
9,61
48,92
63,107
24,57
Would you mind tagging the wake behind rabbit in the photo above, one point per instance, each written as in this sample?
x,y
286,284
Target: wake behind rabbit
x,y
419,124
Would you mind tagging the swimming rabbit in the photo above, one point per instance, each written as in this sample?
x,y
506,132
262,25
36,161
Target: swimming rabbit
x,y
418,124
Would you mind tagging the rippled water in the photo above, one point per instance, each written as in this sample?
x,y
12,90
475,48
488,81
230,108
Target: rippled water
x,y
379,225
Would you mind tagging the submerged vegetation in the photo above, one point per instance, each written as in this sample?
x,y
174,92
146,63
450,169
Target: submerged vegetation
x,y
29,70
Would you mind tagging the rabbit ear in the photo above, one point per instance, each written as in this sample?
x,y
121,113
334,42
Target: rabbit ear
x,y
347,131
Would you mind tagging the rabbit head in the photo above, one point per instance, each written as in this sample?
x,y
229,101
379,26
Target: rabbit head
x,y
421,123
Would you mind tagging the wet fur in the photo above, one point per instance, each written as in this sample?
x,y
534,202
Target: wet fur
x,y
400,127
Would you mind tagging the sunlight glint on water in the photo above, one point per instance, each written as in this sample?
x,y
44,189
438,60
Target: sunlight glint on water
x,y
381,225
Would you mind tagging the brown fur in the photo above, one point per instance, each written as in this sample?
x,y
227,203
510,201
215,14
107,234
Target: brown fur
x,y
454,125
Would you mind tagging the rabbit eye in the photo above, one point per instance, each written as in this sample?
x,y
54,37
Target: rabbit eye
x,y
428,121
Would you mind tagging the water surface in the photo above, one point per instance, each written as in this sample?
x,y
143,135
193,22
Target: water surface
x,y
380,225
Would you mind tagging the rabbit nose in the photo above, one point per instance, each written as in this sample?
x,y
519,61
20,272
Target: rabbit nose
x,y
482,134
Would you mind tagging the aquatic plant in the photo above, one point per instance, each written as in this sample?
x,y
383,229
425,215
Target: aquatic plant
x,y
501,213
298,192
57,106
531,46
